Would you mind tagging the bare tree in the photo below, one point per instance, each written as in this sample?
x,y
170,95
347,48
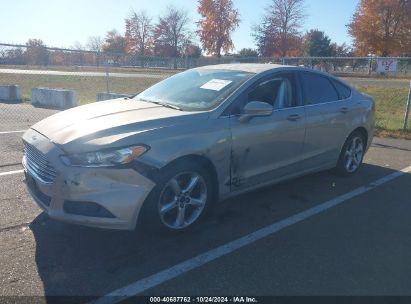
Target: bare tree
x,y
77,45
280,30
139,33
77,58
95,44
172,30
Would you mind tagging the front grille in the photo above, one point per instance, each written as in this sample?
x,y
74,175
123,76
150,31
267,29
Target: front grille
x,y
37,163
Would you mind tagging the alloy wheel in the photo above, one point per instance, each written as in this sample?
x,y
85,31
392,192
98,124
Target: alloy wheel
x,y
182,200
354,154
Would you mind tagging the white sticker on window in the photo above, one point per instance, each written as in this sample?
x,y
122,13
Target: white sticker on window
x,y
216,84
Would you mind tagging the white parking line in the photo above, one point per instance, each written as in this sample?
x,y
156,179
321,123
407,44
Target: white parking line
x,y
10,132
183,267
11,172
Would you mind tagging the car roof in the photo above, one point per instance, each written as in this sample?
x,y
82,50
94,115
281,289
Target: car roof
x,y
264,67
246,67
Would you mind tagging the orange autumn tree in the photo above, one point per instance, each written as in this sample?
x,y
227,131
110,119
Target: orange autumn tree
x,y
381,27
218,20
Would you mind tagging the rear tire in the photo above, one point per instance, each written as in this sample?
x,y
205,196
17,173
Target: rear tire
x,y
351,155
183,195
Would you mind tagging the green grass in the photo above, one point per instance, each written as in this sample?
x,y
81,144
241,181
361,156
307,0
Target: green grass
x,y
86,87
390,110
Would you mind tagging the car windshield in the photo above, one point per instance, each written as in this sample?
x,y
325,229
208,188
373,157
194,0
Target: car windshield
x,y
196,89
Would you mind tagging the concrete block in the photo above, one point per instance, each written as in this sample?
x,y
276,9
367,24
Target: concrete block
x,y
53,98
10,93
105,96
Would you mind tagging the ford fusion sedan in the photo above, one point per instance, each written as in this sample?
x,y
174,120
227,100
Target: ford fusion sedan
x,y
163,158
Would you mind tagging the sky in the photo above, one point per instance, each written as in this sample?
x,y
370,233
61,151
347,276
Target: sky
x,y
61,23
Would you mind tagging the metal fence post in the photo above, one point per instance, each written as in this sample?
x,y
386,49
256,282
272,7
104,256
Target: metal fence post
x,y
369,66
107,77
407,110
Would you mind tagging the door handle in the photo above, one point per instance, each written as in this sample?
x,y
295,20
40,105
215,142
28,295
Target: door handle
x,y
344,110
293,117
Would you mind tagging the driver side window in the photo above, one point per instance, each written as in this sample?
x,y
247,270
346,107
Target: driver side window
x,y
277,91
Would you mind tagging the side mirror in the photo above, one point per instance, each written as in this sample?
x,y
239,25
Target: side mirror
x,y
256,109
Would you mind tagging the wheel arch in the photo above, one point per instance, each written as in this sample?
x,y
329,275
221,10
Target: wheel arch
x,y
363,132
359,129
205,162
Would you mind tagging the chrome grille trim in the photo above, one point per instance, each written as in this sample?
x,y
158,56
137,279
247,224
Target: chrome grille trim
x,y
37,164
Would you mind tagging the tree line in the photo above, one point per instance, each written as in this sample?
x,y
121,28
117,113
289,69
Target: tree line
x,y
378,27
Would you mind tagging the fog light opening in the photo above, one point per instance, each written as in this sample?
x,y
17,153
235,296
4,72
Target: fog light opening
x,y
87,209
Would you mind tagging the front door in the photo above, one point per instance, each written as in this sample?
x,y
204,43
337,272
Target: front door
x,y
268,148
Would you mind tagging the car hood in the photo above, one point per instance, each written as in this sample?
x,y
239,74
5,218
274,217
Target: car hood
x,y
102,123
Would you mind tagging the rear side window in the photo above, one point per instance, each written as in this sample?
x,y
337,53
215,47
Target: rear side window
x,y
343,90
318,89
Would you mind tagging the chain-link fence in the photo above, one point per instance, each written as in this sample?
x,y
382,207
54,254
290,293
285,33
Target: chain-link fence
x,y
24,71
59,58
86,74
41,56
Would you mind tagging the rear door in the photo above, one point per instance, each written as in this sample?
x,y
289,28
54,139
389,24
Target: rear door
x,y
328,119
270,147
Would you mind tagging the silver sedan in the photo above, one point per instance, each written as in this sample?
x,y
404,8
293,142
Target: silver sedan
x,y
163,158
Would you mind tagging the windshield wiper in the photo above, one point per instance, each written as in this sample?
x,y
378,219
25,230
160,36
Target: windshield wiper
x,y
167,105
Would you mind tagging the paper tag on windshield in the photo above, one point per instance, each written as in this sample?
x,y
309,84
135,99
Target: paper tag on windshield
x,y
216,84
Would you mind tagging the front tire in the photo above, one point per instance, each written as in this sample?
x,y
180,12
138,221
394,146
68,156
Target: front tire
x,y
182,196
351,155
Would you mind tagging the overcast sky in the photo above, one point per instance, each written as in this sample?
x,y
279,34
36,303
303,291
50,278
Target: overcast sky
x,y
61,23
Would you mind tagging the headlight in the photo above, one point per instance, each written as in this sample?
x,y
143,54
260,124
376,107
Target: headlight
x,y
105,158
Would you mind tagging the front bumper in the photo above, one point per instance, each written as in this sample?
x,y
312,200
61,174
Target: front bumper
x,y
119,192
